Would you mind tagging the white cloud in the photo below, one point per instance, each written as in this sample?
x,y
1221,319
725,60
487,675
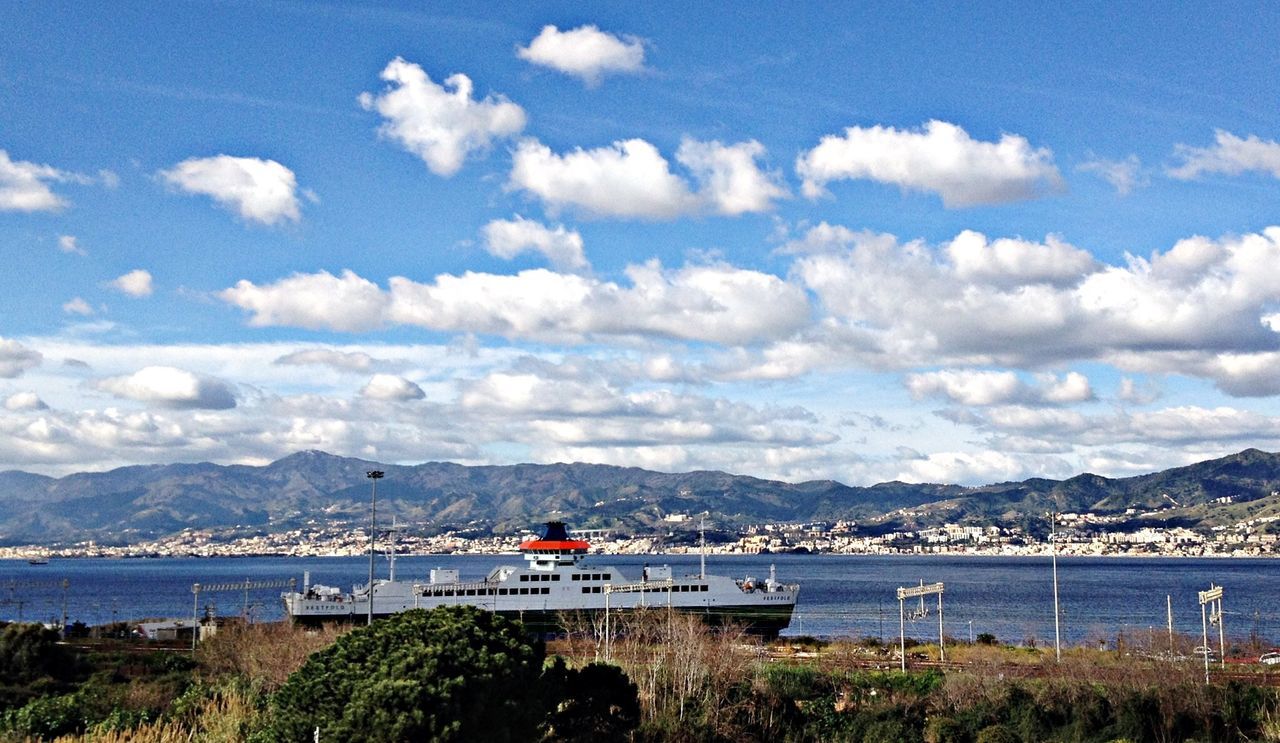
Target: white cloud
x,y
391,387
1202,296
171,387
262,191
1123,175
1136,393
631,179
24,186
508,238
628,179
136,283
585,52
979,467
1229,155
440,126
732,182
711,303
941,158
1009,261
717,304
983,388
68,244
77,306
16,358
320,300
21,402
347,361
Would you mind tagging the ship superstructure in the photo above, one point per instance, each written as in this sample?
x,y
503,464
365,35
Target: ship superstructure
x,y
555,580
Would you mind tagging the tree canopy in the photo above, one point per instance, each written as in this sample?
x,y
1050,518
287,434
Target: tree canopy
x,y
452,674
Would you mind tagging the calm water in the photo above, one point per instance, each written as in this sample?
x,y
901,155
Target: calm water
x,y
1011,598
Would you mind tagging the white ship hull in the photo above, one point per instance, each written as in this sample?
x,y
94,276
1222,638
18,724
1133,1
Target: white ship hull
x,y
554,582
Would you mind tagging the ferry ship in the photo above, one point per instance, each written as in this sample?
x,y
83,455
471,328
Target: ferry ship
x,y
554,581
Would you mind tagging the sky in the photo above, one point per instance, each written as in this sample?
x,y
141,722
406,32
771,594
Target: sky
x,y
861,242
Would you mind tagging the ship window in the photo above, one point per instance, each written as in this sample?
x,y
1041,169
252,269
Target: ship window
x,y
546,590
524,578
502,592
586,589
555,577
575,576
524,592
702,588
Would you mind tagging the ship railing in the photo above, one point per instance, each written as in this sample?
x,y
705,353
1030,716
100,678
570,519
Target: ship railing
x,y
419,588
640,586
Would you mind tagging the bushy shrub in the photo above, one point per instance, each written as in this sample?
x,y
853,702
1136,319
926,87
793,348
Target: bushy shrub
x,y
455,673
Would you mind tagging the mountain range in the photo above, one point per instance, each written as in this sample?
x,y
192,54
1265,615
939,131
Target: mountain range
x,y
314,488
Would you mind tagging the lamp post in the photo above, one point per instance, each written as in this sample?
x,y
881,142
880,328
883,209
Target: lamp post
x,y
373,475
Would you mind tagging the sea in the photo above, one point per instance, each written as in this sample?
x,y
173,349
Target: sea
x,y
841,596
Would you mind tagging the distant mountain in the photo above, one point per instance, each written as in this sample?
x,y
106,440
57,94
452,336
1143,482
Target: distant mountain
x,y
313,487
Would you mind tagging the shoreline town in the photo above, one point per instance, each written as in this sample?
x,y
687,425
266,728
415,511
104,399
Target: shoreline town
x,y
1077,535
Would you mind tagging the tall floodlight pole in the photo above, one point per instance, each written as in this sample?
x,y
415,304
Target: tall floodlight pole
x,y
1053,549
374,476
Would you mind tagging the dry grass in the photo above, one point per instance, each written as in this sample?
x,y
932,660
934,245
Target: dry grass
x,y
264,654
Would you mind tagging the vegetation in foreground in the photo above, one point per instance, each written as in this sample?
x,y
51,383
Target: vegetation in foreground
x,y
462,674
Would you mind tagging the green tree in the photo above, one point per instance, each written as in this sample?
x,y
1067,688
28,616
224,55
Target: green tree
x,y
29,652
452,674
599,702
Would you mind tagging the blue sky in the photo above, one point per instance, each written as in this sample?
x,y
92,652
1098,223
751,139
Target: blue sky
x,y
864,243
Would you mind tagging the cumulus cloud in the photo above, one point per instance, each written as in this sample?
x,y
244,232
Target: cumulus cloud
x,y
21,402
262,191
16,358
631,179
1008,261
136,283
77,306
732,182
346,361
1124,175
1202,296
391,387
1135,392
24,186
628,179
1229,155
585,52
170,387
982,388
509,238
442,124
68,244
712,303
941,158
320,300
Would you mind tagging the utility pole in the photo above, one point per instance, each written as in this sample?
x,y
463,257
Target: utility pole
x,y
374,476
1212,598
922,590
1053,549
1168,599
